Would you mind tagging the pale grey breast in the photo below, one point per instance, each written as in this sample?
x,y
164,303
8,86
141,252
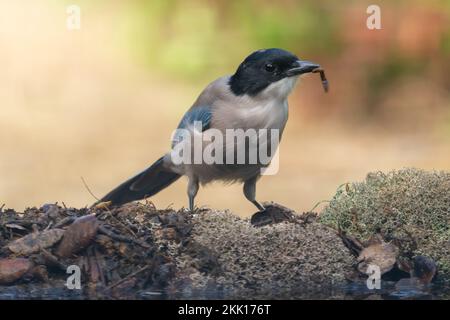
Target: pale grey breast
x,y
230,112
268,110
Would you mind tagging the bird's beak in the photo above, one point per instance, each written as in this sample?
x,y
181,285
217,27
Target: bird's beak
x,y
302,67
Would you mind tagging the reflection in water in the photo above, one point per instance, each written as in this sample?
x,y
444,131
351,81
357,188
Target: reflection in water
x,y
353,291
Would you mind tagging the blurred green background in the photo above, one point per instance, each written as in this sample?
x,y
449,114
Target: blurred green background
x,y
101,102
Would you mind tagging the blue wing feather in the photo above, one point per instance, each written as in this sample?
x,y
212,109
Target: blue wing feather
x,y
200,114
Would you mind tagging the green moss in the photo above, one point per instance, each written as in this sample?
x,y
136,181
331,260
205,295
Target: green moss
x,y
410,206
302,259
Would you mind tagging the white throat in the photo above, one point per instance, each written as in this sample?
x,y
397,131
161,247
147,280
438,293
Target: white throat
x,y
279,90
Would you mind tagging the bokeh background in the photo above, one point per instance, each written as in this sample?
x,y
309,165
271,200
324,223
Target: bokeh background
x,y
101,102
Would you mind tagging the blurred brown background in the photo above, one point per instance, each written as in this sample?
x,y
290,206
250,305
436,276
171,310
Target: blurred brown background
x,y
101,102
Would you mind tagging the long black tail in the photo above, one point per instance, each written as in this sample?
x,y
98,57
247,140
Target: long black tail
x,y
145,184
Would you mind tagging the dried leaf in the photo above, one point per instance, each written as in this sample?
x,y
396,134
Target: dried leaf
x,y
424,269
103,205
14,226
78,235
384,255
34,242
273,213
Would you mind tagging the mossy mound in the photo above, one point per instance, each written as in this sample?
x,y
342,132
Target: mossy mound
x,y
298,258
409,206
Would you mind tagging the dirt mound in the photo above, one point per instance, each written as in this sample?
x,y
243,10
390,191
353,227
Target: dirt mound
x,y
136,251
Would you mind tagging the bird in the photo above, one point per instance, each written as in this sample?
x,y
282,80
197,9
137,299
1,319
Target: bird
x,y
254,97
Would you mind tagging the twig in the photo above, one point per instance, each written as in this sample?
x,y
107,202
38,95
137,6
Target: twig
x,y
353,244
110,214
168,207
64,221
127,277
120,222
89,190
317,204
97,258
149,203
52,260
49,225
341,185
122,238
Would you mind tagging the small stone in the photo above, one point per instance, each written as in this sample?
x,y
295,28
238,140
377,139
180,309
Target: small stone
x,y
12,270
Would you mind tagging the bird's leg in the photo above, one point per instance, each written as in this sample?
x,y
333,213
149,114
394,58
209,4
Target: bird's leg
x,y
192,191
250,193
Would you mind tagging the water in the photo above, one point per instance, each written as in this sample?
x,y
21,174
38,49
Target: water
x,y
352,291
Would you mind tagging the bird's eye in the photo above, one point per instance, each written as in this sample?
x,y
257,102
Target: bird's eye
x,y
269,67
